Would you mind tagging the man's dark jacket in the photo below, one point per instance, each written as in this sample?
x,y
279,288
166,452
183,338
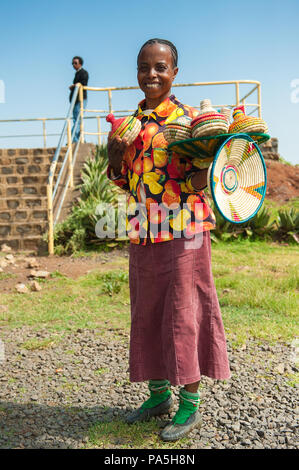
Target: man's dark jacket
x,y
80,77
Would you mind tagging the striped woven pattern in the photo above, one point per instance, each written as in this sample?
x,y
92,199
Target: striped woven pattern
x,y
178,129
245,124
209,122
129,129
237,179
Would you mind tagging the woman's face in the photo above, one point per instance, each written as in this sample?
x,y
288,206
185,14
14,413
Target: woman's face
x,y
156,73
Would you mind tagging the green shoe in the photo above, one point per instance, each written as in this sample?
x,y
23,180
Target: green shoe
x,y
145,414
186,418
174,431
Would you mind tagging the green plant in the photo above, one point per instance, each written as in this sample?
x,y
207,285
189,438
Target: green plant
x,y
260,225
288,224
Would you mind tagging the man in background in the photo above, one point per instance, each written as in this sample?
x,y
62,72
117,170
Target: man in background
x,y
81,76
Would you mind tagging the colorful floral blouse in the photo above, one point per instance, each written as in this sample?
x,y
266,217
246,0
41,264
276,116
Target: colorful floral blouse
x,y
162,203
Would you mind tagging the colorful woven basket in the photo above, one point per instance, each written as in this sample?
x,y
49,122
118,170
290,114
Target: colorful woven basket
x,y
237,179
128,127
246,124
208,122
178,129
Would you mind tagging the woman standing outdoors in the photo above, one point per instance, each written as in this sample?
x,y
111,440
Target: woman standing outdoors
x,y
177,333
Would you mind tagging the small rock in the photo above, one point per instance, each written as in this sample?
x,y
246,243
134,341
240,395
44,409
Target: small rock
x,y
35,286
279,368
236,427
40,274
32,263
3,263
21,288
5,248
10,258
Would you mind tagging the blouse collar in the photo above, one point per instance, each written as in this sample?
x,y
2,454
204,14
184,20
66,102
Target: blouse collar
x,y
165,103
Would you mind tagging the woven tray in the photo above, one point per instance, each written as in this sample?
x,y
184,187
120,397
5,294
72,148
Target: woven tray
x,y
205,148
237,179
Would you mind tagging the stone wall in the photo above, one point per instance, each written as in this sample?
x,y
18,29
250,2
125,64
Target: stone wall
x,y
23,201
270,149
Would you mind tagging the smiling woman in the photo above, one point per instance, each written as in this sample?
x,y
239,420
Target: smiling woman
x,y
177,333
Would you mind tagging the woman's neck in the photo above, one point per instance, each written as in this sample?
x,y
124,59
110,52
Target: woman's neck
x,y
154,103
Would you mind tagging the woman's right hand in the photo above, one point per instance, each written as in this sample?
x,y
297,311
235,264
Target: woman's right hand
x,y
116,148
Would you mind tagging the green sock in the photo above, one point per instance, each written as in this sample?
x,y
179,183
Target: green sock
x,y
189,403
159,390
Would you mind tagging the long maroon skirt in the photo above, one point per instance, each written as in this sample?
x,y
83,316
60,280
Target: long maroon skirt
x,y
176,326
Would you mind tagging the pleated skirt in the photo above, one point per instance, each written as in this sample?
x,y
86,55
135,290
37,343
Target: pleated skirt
x,y
177,331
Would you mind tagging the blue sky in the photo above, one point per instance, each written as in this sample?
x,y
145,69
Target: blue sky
x,y
216,40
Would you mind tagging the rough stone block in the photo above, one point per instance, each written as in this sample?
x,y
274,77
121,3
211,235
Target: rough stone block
x,y
7,170
33,202
21,215
5,216
12,203
11,180
22,161
29,190
40,215
4,230
20,170
34,169
30,180
12,191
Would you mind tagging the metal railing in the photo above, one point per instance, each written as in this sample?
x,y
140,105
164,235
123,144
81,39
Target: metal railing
x,y
101,113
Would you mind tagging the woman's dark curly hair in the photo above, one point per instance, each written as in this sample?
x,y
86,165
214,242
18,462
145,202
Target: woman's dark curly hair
x,y
172,47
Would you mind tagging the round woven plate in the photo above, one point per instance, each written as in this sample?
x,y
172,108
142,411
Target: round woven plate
x,y
206,147
237,178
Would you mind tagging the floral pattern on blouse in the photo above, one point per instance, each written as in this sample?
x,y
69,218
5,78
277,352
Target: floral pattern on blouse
x,y
162,203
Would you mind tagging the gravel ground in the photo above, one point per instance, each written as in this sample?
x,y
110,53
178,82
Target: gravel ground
x,y
50,397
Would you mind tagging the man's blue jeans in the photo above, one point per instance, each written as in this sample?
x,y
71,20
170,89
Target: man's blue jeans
x,y
76,112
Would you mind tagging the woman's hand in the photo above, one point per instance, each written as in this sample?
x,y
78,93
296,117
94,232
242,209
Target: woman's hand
x,y
199,180
116,149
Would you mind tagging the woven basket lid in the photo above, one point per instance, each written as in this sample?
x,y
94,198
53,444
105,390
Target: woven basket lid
x,y
226,112
243,123
207,114
128,127
206,107
181,121
237,179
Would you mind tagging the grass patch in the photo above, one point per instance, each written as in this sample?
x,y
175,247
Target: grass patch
x,y
4,276
257,285
293,379
34,344
117,434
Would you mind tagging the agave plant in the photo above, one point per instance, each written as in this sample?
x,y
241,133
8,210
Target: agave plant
x,y
260,224
95,183
288,224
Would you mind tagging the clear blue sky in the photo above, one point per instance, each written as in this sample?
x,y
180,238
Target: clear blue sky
x,y
216,40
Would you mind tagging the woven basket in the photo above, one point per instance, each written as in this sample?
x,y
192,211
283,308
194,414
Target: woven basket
x,y
178,129
128,127
237,179
208,122
243,123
